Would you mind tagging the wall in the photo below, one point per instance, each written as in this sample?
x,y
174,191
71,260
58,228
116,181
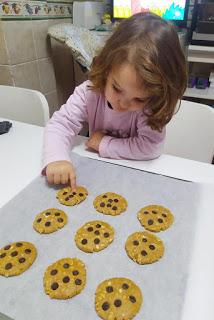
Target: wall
x,y
26,58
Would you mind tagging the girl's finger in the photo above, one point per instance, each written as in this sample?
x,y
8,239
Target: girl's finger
x,y
73,183
57,179
64,178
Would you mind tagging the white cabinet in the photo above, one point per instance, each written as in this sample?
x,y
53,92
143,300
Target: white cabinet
x,y
200,54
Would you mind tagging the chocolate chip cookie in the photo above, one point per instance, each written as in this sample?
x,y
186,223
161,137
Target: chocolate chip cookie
x,y
110,203
69,198
118,298
144,247
65,278
94,236
50,220
155,218
17,257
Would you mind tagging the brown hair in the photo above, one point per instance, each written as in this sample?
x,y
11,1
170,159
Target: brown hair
x,y
152,46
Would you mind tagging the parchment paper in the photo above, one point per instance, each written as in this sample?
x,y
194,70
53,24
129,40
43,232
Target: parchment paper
x,y
162,283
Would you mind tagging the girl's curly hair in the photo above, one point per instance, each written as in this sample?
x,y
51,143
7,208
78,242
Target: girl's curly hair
x,y
152,46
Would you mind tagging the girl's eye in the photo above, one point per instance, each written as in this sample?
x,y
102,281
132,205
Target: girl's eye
x,y
115,88
140,100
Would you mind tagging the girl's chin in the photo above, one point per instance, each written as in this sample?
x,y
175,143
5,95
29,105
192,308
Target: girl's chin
x,y
119,110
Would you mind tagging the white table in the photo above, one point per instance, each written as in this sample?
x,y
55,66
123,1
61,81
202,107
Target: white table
x,y
20,163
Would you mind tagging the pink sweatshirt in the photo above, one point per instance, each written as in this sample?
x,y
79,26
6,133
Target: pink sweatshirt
x,y
128,136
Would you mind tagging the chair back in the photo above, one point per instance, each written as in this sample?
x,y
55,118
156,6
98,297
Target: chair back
x,y
190,133
23,105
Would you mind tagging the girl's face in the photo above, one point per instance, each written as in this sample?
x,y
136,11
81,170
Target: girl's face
x,y
124,91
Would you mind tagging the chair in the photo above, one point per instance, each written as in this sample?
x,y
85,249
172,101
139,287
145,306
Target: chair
x,y
23,105
190,133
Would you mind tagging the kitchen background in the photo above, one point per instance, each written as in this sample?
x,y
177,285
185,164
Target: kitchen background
x,y
27,56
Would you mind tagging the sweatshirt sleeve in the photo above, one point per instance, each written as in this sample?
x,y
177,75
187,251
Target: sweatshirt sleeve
x,y
146,145
64,125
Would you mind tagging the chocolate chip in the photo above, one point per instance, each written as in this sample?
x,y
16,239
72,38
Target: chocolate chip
x,y
67,198
96,240
90,229
8,266
75,272
2,255
135,243
47,213
106,234
110,200
78,282
47,224
7,247
102,204
125,286
116,200
151,247
109,289
64,193
146,212
105,196
114,208
66,279
160,220
109,205
27,251
57,214
14,253
54,286
74,193
150,222
144,253
21,260
144,240
154,212
98,225
19,244
105,306
81,194
60,220
97,232
132,299
53,272
117,303
84,241
164,215
66,265
39,220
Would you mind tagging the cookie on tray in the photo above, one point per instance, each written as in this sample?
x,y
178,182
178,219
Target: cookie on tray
x,y
110,203
17,257
94,236
69,198
50,220
144,247
155,218
118,298
65,278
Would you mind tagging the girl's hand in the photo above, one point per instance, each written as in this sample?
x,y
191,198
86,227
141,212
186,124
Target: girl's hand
x,y
61,172
94,141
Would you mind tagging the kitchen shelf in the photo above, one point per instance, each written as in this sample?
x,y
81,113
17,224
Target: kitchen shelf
x,y
200,54
207,93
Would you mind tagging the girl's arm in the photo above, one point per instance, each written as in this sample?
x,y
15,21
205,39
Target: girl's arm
x,y
146,145
64,125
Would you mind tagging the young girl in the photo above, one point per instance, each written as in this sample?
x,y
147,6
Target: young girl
x,y
134,85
